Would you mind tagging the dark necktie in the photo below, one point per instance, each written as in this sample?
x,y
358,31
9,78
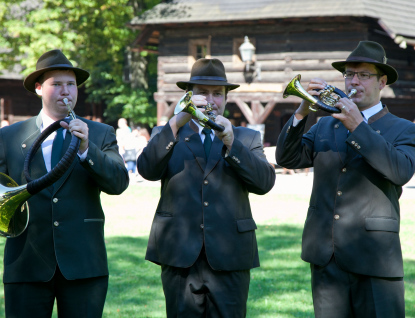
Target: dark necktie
x,y
57,146
208,141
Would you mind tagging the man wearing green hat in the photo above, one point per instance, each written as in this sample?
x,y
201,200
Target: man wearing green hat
x,y
203,232
61,255
362,157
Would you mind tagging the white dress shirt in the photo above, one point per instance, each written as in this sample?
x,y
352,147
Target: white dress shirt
x,y
47,143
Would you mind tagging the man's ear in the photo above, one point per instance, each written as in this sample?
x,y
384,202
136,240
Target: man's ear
x,y
38,88
382,82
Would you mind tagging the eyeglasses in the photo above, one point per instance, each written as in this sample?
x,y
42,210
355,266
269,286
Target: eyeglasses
x,y
360,75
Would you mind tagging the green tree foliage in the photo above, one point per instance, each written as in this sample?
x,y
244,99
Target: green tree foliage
x,y
92,34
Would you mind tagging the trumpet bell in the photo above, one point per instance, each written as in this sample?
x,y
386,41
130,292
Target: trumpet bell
x,y
14,210
328,96
294,88
186,105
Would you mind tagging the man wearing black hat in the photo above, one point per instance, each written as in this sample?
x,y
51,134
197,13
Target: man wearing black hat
x,y
62,252
203,233
362,157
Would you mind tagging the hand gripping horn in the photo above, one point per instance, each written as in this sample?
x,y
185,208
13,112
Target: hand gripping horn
x,y
14,210
328,97
186,105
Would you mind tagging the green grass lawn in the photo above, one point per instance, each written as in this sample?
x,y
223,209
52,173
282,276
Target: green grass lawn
x,y
279,288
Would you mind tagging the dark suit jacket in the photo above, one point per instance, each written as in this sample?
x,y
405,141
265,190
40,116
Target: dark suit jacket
x,y
77,242
358,179
205,201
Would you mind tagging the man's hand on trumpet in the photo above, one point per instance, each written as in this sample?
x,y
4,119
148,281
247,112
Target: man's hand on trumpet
x,y
313,88
350,115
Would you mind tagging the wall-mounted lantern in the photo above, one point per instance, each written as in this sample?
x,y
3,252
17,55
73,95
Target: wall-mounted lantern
x,y
247,50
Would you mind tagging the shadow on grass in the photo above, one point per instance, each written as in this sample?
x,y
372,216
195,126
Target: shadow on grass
x,y
134,287
281,286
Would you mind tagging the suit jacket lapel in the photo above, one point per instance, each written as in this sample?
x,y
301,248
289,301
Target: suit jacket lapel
x,y
37,166
194,143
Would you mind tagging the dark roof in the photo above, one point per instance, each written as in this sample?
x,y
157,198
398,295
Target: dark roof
x,y
395,16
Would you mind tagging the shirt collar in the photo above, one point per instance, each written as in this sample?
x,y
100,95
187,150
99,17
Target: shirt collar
x,y
46,120
371,111
200,127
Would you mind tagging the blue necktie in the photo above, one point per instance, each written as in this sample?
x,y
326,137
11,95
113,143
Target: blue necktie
x,y
208,141
57,146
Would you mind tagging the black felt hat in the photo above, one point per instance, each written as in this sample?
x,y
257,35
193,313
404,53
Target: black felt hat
x,y
53,60
208,72
369,52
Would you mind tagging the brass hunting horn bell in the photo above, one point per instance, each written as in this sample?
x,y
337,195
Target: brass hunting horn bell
x,y
186,105
328,97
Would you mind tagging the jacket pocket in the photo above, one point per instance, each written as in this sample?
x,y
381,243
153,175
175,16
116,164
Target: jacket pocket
x,y
245,225
382,224
94,220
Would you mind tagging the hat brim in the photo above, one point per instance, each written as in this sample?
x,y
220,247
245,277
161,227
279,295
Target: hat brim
x,y
389,71
30,81
184,85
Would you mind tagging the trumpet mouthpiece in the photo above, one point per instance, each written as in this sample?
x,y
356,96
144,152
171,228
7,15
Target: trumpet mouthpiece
x,y
352,92
65,100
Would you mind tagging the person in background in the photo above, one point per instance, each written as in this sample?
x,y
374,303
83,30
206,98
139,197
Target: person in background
x,y
61,255
203,233
362,157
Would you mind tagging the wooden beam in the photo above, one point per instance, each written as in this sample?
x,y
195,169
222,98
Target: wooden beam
x,y
245,110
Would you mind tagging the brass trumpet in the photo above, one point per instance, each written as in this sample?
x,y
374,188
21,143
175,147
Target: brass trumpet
x,y
14,210
186,105
328,97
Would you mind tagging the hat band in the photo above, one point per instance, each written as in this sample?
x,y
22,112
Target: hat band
x,y
362,59
208,78
59,65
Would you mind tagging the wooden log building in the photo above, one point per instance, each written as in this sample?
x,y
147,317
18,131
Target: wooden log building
x,y
290,36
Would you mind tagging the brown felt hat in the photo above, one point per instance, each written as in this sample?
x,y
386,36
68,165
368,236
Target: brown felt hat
x,y
207,72
369,52
53,60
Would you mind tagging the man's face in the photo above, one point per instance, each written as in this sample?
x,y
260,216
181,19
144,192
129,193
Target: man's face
x,y
56,86
368,90
214,95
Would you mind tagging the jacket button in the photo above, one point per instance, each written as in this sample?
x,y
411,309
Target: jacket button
x,y
336,217
24,146
339,193
56,223
202,226
205,182
344,170
186,139
205,203
55,200
336,126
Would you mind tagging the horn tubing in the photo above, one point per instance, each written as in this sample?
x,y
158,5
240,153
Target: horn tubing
x,y
294,88
35,186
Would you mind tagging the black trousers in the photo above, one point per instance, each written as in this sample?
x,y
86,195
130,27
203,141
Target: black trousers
x,y
340,294
81,298
200,291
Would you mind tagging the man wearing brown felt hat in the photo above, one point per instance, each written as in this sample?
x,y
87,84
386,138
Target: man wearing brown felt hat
x,y
203,232
362,156
61,255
